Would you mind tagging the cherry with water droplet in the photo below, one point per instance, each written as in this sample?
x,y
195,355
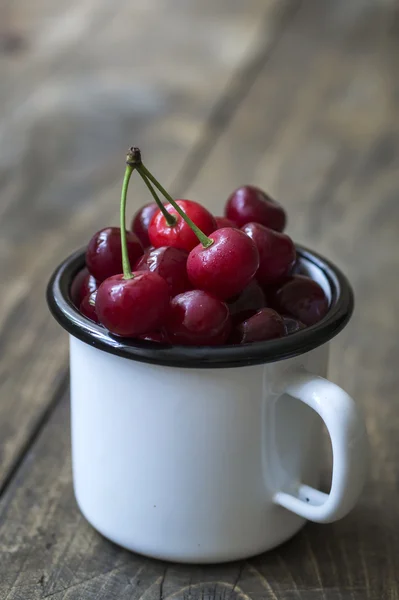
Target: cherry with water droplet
x,y
224,264
131,307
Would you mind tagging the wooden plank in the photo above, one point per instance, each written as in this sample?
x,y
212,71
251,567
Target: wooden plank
x,y
319,130
92,79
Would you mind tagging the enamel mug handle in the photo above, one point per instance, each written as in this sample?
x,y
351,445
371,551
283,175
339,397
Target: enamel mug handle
x,y
349,447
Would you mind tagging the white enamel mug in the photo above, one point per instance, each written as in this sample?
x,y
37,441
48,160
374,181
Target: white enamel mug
x,y
209,454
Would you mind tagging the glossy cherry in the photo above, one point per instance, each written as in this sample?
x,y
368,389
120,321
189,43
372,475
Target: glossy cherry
x,y
226,266
131,307
251,299
180,235
76,287
292,325
277,252
197,318
103,254
88,306
250,204
224,222
141,222
264,325
302,298
89,285
170,263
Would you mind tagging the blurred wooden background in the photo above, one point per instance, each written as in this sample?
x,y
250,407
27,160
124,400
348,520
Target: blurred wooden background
x,y
300,98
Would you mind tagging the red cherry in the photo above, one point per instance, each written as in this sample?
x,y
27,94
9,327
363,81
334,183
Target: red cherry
x,y
104,253
276,252
224,222
131,307
169,263
76,287
250,204
197,318
302,298
225,267
180,235
88,306
292,325
266,324
89,285
251,299
141,222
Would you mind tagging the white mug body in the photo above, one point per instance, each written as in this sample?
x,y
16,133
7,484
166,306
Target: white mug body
x,y
182,464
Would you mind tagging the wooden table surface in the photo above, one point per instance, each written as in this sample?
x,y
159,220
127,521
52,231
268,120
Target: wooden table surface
x,y
299,98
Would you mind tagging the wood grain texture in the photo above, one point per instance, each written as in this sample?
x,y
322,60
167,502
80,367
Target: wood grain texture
x,y
317,125
319,130
93,79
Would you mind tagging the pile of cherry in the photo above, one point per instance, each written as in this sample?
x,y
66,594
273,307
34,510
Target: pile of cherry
x,y
203,280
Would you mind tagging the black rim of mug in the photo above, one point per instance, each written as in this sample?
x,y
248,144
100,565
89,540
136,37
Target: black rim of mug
x,y
67,315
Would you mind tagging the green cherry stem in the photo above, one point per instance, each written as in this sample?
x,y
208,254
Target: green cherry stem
x,y
127,271
145,173
170,219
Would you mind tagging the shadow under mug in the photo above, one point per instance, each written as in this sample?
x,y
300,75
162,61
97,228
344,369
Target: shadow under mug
x,y
199,454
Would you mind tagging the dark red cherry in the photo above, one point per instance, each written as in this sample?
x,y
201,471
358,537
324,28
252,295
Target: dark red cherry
x,y
197,318
104,254
76,287
180,235
251,299
302,298
277,252
132,307
250,204
170,263
224,222
141,222
89,285
225,267
88,306
266,324
292,325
